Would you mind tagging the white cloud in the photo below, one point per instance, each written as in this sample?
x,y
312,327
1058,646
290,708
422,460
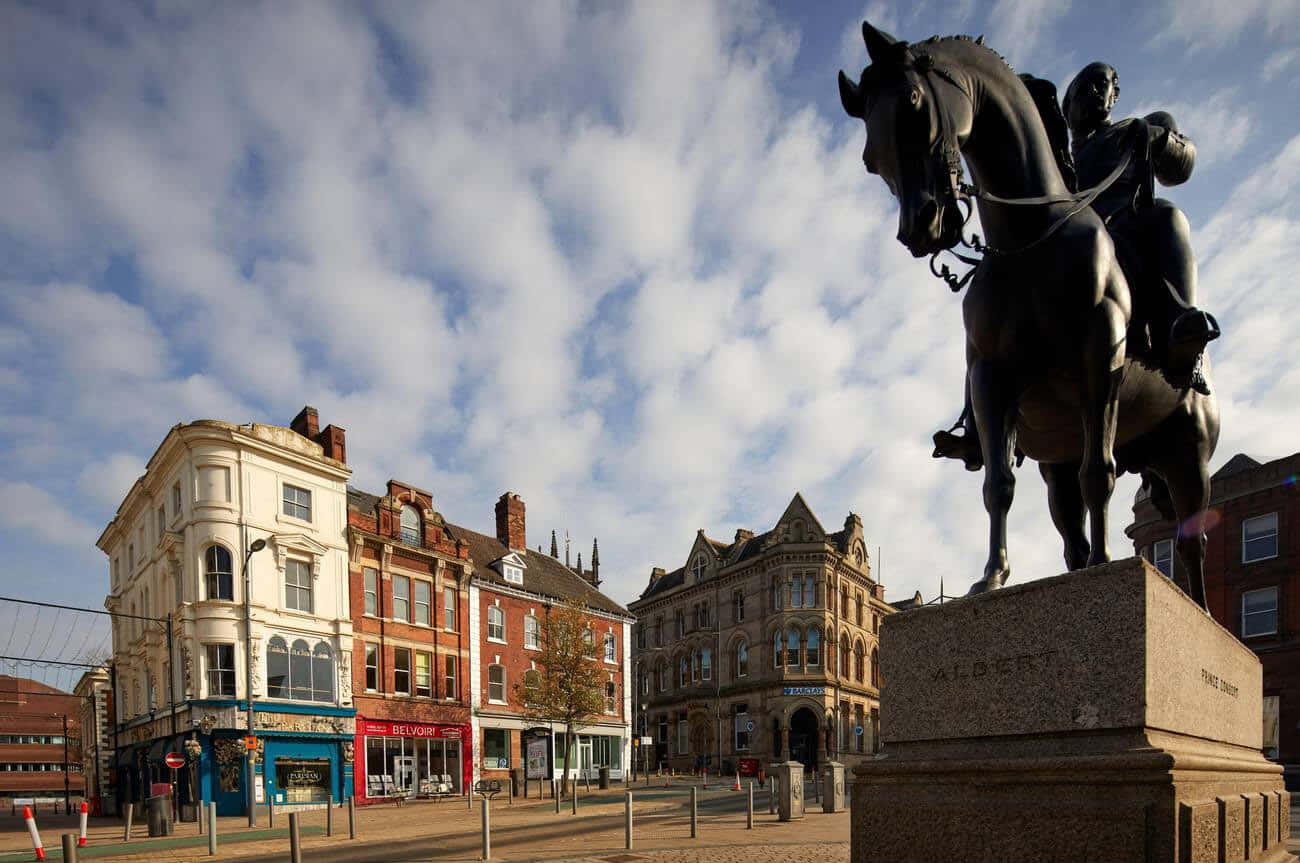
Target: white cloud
x,y
1219,124
34,511
107,481
1210,24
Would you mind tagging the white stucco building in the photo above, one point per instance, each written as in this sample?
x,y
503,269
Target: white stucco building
x,y
176,549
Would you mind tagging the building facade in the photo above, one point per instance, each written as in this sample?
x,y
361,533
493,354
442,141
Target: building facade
x,y
511,591
410,621
1252,579
95,722
198,657
761,649
40,747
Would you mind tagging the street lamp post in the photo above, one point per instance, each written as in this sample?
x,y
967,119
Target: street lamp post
x,y
256,546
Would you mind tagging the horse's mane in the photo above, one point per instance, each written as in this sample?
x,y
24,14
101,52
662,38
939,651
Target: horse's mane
x,y
977,41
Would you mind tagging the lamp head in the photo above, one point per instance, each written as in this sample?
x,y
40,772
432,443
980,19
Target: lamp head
x,y
258,545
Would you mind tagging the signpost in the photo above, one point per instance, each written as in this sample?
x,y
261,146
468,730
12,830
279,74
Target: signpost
x,y
175,761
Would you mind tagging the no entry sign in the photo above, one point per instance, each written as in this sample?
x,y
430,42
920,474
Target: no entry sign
x,y
174,760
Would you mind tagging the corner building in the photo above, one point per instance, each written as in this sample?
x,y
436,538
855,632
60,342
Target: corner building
x,y
409,582
760,649
1252,580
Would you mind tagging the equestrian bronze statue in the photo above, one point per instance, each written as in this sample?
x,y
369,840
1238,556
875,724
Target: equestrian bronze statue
x,y
1084,348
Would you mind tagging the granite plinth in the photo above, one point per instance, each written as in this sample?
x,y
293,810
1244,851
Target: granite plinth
x,y
790,801
833,788
1095,716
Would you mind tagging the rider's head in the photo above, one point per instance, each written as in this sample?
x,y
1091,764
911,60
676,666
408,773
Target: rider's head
x,y
1090,97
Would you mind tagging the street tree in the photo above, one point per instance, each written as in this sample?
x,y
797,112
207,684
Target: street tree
x,y
568,685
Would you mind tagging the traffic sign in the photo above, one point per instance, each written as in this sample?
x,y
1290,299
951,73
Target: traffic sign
x,y
250,743
857,729
174,760
749,726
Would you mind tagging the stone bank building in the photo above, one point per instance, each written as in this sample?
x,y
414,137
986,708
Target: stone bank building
x,y
760,649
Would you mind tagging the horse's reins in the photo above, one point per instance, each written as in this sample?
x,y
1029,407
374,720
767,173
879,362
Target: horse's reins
x,y
946,151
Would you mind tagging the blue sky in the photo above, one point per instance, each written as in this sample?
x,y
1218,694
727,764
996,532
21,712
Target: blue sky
x,y
622,260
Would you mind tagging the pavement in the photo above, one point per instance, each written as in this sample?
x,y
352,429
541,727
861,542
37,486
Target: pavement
x,y
525,831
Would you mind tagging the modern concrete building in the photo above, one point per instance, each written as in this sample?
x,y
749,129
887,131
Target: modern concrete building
x,y
195,655
1252,579
762,649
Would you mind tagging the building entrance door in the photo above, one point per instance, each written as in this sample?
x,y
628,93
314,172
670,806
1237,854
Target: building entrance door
x,y
584,756
404,772
803,739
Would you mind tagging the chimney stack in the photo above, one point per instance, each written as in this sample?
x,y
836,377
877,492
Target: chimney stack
x,y
510,522
333,440
306,423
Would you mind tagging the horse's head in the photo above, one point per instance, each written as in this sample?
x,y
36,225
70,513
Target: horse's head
x,y
918,116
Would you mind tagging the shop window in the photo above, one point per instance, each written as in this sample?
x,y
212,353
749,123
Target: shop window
x,y
402,670
218,574
370,576
741,724
497,684
401,598
303,780
423,674
372,667
496,748
449,690
322,673
423,603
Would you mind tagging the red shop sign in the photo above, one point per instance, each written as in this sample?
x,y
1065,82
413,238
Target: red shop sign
x,y
409,729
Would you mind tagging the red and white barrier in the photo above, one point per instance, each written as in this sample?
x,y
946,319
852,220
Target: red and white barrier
x,y
36,836
85,811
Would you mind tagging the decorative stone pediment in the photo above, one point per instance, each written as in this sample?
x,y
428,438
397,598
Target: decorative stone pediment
x,y
284,543
798,524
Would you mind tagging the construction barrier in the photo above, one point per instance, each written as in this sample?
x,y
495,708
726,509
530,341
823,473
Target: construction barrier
x,y
85,812
36,836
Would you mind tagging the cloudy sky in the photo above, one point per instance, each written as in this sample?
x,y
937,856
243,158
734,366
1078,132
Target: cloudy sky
x,y
621,259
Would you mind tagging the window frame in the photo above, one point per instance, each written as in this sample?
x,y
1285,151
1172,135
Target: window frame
x,y
1167,546
369,597
611,649
450,676
403,596
220,670
500,626
370,661
215,549
428,674
286,502
1245,522
740,659
512,574
300,566
738,605
449,609
410,534
177,504
1275,611
400,653
501,684
532,632
427,618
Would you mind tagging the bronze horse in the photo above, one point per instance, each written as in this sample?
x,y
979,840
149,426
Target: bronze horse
x,y
1048,310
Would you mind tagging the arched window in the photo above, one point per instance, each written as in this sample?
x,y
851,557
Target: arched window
x,y
218,576
859,610
792,647
300,670
844,655
875,668
774,593
695,666
706,664
741,660
844,601
277,668
322,672
778,641
683,672
532,686
814,656
411,525
859,656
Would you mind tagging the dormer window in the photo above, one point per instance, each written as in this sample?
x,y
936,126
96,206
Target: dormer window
x,y
512,574
410,525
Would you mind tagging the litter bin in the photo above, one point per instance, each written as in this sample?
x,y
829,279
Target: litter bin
x,y
604,777
159,813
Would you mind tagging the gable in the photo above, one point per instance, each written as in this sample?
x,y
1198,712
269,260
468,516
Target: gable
x,y
798,524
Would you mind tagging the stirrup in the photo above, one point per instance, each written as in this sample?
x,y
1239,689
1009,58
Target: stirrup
x,y
964,447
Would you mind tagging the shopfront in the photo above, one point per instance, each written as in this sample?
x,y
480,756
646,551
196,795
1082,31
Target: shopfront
x,y
411,759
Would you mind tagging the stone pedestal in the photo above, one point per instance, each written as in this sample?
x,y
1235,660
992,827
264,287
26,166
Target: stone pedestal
x,y
789,798
1095,716
832,780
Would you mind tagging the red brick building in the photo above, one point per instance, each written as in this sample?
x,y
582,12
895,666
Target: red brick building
x,y
38,736
409,580
512,589
1252,580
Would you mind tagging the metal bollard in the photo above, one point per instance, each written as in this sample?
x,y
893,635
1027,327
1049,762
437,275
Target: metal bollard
x,y
70,847
270,812
487,829
749,809
555,795
573,787
695,814
627,821
202,815
469,798
510,793
295,841
212,829
126,830
352,818
329,817
771,796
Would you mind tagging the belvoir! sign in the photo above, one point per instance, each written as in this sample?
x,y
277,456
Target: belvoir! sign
x,y
410,729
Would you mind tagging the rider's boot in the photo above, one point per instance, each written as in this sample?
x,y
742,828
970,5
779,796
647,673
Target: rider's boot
x,y
965,446
1191,332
